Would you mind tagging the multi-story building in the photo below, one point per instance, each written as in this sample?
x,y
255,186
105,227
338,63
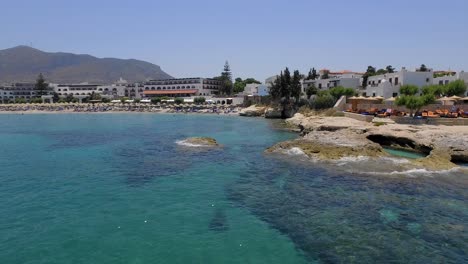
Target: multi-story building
x,y
345,79
26,91
183,87
388,85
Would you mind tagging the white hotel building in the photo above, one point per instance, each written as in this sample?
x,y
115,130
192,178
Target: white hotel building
x,y
345,79
388,85
183,87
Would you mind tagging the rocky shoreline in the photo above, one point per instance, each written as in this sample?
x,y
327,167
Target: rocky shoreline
x,y
334,138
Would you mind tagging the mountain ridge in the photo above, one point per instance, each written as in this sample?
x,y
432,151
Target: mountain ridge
x,y
23,64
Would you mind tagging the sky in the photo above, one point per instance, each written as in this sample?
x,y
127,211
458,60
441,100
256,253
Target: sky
x,y
258,38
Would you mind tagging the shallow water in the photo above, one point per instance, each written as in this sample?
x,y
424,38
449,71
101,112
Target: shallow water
x,y
116,188
404,154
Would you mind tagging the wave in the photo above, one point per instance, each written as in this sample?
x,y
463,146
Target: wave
x,y
185,143
414,172
295,151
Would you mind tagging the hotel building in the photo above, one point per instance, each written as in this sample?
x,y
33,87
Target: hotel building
x,y
345,79
184,87
388,85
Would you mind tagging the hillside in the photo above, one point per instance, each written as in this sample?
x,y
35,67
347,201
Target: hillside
x,y
24,63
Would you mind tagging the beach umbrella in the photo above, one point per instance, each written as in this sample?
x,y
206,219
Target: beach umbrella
x,y
455,98
391,99
379,98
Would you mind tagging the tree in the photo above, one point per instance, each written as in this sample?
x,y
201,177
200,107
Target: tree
x,y
199,100
457,87
286,88
296,85
369,72
155,100
423,68
412,101
41,86
339,91
226,80
312,74
179,100
435,89
239,84
390,69
69,98
381,71
311,90
55,98
323,100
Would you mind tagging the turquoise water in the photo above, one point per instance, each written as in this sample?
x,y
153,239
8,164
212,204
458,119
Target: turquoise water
x,y
115,188
404,154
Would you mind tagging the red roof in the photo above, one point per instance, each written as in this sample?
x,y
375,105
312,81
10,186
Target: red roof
x,y
193,91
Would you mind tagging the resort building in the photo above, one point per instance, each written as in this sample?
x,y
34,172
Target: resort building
x,y
388,85
345,79
183,87
26,91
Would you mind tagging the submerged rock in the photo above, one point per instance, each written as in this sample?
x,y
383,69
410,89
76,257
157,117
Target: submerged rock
x,y
219,221
199,142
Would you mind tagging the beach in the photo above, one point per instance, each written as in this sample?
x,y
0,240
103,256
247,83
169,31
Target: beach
x,y
118,108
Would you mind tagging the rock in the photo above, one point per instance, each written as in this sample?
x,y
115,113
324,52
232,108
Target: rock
x,y
199,142
252,111
272,113
336,137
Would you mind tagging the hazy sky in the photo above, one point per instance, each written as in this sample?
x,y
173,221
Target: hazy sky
x,y
258,38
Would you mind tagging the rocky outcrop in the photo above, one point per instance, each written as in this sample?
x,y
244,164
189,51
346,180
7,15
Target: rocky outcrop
x,y
253,111
272,112
199,142
331,138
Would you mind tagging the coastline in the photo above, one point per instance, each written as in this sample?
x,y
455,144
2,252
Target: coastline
x,y
336,138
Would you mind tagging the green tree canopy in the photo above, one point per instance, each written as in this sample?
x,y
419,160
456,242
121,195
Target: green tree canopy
x,y
41,86
339,91
457,87
412,101
311,90
226,80
423,68
390,69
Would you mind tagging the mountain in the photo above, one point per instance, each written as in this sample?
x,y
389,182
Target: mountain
x,y
23,63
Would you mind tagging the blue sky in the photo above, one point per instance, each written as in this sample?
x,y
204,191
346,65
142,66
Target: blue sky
x,y
258,38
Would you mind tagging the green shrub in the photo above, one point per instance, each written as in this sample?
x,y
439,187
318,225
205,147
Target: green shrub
x,y
199,100
155,100
178,100
323,101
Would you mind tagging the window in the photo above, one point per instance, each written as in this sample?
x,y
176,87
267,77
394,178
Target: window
x,y
373,94
446,82
320,86
427,80
396,80
394,94
441,82
390,80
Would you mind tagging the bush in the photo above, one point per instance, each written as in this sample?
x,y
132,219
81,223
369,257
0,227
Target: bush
x,y
36,101
199,100
20,101
106,100
323,101
123,99
339,91
178,100
303,102
155,100
137,100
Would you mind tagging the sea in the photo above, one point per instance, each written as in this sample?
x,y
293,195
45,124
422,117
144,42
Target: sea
x,y
121,188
